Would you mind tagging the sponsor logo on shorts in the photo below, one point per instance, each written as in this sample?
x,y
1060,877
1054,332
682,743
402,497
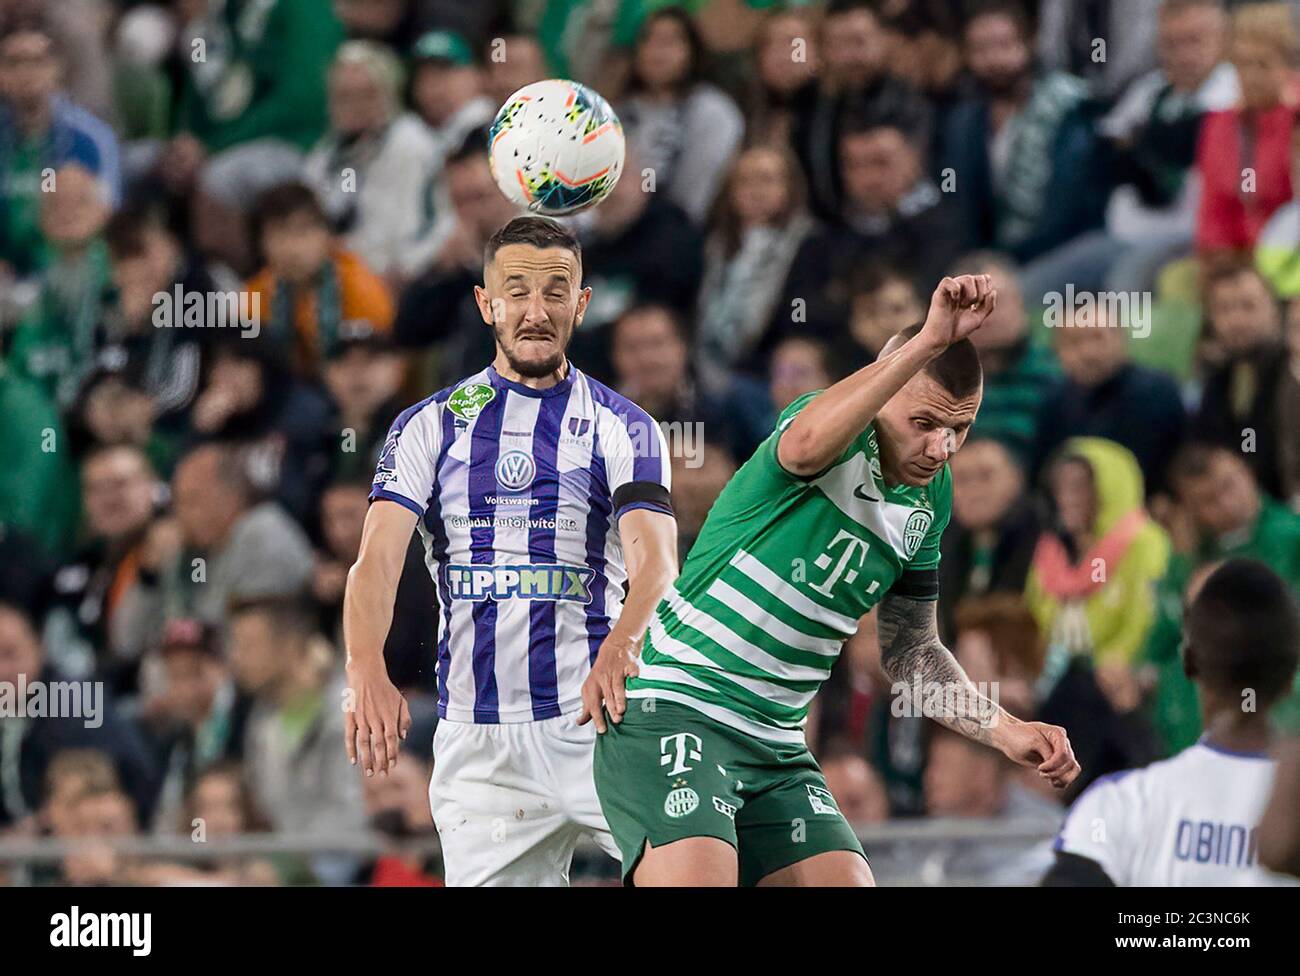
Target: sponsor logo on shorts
x,y
724,808
681,801
822,801
546,581
685,747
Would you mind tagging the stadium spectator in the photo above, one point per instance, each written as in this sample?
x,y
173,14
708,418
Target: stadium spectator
x,y
513,60
220,544
219,803
652,363
192,716
372,169
97,817
438,308
1253,137
41,130
1151,134
683,128
697,482
857,788
248,109
39,497
752,263
253,402
1105,394
1022,148
33,742
1288,412
1229,515
119,493
58,341
799,366
153,324
1239,401
883,301
785,62
895,213
298,773
1107,43
995,526
853,80
1090,584
447,89
310,285
638,248
1017,370
1278,246
397,806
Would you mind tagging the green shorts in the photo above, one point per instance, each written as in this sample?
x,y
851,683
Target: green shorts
x,y
668,772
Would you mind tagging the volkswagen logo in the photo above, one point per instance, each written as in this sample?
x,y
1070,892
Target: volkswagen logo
x,y
515,470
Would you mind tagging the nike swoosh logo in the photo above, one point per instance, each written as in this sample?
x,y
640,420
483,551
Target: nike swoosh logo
x,y
859,493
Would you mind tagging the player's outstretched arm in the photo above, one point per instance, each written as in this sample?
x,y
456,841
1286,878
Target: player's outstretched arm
x,y
378,714
914,658
829,423
650,549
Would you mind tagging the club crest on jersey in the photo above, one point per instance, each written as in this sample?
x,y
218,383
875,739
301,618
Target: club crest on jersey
x,y
918,524
468,402
578,426
544,581
515,470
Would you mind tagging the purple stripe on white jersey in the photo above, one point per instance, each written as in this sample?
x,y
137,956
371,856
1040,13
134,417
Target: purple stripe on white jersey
x,y
484,451
542,677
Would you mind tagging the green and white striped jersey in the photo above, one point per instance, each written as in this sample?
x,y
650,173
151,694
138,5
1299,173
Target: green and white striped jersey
x,y
778,578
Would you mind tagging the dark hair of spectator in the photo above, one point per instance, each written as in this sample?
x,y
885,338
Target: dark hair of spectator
x,y
127,231
874,275
1010,9
284,201
837,8
957,369
906,115
1242,631
697,67
725,222
539,232
289,616
679,325
473,147
252,820
820,348
1194,460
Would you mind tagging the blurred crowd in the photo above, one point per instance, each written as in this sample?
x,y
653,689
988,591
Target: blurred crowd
x,y
238,236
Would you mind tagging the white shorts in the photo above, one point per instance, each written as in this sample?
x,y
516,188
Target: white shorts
x,y
510,801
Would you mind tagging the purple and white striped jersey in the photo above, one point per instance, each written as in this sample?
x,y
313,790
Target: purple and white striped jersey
x,y
519,492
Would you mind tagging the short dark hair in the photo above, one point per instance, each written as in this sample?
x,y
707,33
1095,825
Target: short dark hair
x,y
1194,460
287,614
286,200
539,232
1013,10
1243,631
127,231
957,369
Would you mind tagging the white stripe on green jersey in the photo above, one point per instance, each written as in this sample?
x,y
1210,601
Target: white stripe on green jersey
x,y
781,573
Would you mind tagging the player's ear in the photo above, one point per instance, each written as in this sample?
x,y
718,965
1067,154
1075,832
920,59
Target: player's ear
x,y
584,296
485,308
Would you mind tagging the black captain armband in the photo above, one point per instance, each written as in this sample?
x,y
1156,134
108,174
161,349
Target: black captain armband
x,y
917,584
643,494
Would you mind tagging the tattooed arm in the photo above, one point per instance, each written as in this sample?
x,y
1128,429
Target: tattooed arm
x,y
912,656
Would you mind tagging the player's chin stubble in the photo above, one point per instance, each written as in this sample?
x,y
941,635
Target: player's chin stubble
x,y
533,368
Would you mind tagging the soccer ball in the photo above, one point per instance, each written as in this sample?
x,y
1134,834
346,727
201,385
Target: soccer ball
x,y
556,147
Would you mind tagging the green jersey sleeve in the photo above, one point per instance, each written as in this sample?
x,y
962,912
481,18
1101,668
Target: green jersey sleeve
x,y
768,447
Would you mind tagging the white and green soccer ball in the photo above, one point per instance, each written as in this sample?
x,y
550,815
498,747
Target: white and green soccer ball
x,y
556,147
